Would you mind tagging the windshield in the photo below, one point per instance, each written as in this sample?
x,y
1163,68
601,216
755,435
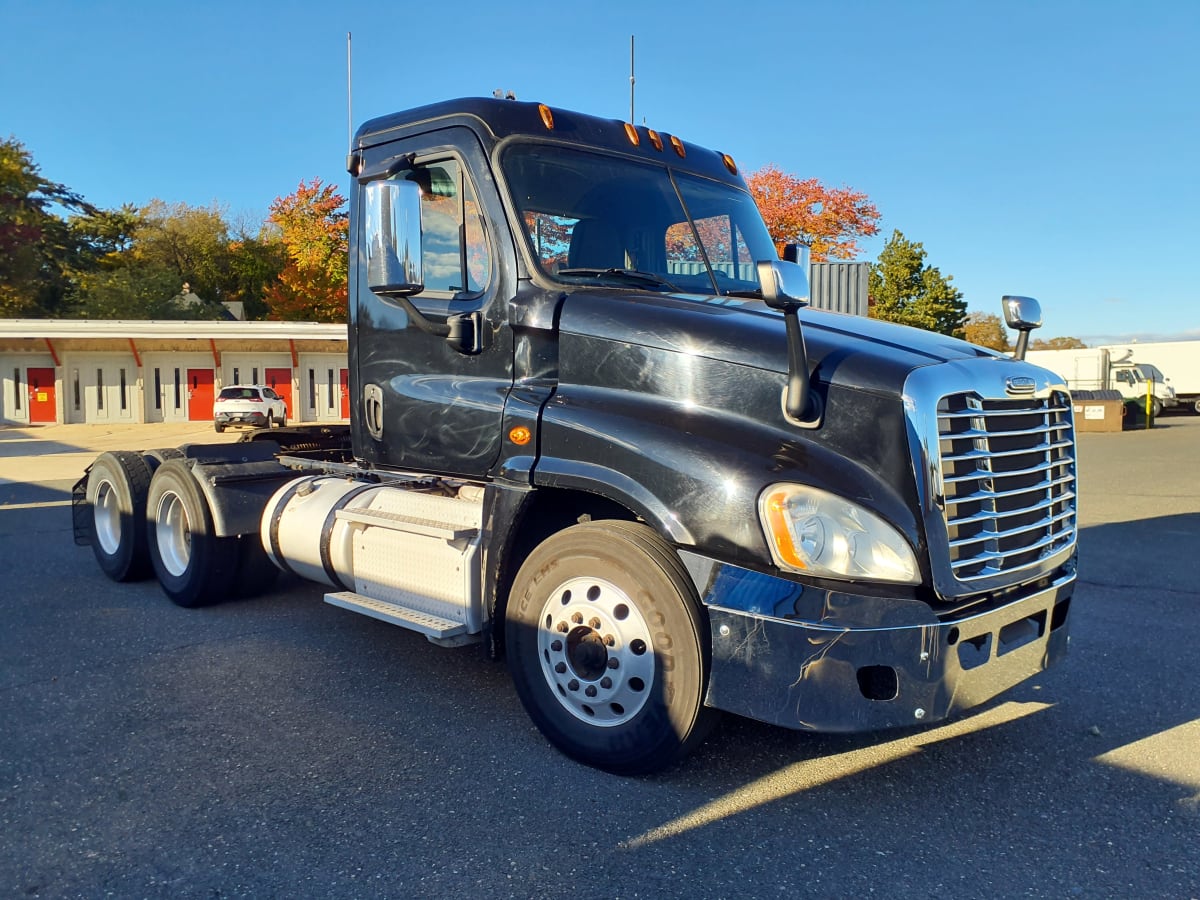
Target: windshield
x,y
605,220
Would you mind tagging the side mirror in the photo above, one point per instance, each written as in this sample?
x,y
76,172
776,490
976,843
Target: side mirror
x,y
1023,314
393,238
784,284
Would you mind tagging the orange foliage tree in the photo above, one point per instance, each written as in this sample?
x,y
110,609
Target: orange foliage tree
x,y
314,228
804,211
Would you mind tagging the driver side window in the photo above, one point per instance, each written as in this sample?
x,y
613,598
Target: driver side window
x,y
456,257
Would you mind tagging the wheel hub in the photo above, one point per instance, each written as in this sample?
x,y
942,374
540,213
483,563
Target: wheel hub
x,y
596,652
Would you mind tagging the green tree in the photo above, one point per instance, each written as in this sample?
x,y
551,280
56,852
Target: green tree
x,y
905,289
190,241
36,245
987,330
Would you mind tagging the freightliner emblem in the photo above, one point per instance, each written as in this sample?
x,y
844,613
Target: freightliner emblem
x,y
1020,384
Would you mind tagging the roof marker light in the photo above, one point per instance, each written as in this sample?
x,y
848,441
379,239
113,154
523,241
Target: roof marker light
x,y
631,133
547,116
678,145
729,163
655,140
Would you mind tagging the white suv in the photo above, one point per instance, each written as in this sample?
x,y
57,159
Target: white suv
x,y
251,404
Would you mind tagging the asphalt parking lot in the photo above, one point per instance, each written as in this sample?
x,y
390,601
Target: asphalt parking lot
x,y
279,747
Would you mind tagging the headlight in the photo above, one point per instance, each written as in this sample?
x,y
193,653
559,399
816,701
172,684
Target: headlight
x,y
819,533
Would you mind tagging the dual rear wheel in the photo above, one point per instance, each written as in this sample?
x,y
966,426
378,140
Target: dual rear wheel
x,y
149,517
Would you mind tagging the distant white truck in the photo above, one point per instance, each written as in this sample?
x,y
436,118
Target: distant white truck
x,y
1102,368
1176,362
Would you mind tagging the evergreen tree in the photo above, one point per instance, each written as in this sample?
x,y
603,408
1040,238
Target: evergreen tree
x,y
906,290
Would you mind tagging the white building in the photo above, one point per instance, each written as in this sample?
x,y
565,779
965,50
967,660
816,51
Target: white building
x,y
61,370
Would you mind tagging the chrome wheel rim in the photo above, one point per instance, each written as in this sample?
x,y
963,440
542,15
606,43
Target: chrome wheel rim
x,y
106,512
595,651
173,535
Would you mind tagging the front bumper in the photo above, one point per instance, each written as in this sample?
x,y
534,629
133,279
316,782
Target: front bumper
x,y
897,664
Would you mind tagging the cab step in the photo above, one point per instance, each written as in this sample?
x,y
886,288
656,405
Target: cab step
x,y
440,631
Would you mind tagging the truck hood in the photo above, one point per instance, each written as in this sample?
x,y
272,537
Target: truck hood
x,y
853,351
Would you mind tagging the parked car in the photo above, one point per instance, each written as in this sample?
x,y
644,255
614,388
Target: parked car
x,y
248,404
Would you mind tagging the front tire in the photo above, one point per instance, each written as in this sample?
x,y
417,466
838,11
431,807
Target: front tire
x,y
194,566
117,487
607,646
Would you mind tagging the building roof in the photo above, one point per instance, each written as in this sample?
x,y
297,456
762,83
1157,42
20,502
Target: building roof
x,y
58,329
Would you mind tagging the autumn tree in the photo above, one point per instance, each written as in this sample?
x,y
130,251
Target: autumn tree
x,y
36,246
987,330
905,289
314,227
1057,343
802,210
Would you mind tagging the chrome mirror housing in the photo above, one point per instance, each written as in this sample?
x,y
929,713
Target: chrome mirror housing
x,y
393,238
1023,314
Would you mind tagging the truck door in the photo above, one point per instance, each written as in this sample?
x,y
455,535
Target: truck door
x,y
433,404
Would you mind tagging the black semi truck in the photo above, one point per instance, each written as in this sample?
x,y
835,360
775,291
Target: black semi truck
x,y
595,428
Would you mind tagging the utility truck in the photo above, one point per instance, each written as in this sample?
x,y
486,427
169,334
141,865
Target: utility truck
x,y
1177,364
595,429
1103,369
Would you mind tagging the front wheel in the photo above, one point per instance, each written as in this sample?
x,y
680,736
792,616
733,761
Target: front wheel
x,y
1156,407
608,648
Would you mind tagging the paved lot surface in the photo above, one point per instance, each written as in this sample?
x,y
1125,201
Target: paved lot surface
x,y
279,747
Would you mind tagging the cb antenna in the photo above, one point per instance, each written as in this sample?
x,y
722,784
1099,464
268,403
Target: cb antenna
x,y
349,95
631,80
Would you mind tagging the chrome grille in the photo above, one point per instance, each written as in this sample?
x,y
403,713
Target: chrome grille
x,y
1008,482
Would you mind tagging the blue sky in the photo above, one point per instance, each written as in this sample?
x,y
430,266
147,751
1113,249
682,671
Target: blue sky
x,y
1040,148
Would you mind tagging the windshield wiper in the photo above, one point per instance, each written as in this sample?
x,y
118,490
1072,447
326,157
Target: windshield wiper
x,y
626,274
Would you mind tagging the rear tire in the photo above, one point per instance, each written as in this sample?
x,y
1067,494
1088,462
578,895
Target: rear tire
x,y
117,488
270,420
219,427
608,647
155,458
194,566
